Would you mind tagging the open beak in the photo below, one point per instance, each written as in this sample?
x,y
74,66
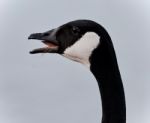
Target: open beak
x,y
49,39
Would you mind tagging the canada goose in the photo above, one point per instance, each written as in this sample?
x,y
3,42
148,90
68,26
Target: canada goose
x,y
87,42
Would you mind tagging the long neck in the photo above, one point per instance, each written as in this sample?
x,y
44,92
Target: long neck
x,y
105,69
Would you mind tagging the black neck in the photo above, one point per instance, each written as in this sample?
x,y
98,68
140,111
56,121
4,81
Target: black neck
x,y
105,69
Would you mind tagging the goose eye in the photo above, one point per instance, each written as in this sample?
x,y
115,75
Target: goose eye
x,y
75,30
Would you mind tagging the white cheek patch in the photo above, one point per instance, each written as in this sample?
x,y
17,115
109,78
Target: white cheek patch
x,y
82,49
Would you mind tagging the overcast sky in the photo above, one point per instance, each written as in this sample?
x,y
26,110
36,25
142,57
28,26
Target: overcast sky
x,y
51,89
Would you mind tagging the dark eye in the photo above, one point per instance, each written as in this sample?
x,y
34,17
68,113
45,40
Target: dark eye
x,y
75,30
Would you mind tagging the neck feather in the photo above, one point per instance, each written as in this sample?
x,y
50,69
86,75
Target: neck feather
x,y
105,69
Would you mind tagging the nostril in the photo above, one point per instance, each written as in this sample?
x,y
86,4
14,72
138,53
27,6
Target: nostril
x,y
45,34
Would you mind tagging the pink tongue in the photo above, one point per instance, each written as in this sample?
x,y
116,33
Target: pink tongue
x,y
49,44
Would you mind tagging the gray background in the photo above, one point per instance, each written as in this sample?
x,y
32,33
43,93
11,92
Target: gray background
x,y
51,89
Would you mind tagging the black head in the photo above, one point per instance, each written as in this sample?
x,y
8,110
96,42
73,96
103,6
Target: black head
x,y
64,36
74,40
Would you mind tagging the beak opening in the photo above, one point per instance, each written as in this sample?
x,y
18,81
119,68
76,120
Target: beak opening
x,y
49,39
